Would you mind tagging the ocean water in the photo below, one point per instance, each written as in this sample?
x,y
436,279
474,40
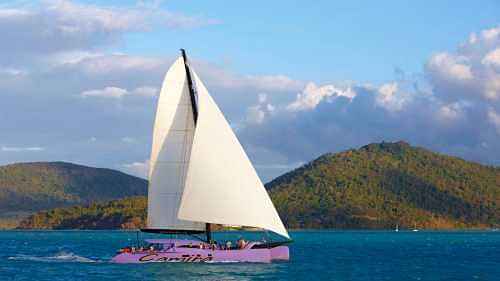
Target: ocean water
x,y
315,255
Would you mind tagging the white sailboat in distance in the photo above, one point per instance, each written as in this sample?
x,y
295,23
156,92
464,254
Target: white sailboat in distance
x,y
200,175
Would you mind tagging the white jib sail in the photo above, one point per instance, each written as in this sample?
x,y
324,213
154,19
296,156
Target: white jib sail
x,y
172,140
222,186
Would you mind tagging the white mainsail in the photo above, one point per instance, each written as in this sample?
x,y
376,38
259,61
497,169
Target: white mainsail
x,y
172,140
222,186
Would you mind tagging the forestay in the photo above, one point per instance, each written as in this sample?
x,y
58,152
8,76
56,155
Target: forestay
x,y
222,186
172,140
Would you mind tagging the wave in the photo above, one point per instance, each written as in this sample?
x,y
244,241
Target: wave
x,y
59,257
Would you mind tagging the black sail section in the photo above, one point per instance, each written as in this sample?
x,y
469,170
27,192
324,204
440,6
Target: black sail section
x,y
192,90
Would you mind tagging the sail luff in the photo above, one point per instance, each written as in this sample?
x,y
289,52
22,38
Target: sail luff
x,y
194,107
172,141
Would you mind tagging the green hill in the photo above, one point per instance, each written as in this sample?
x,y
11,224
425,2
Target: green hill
x,y
31,187
376,186
128,213
380,185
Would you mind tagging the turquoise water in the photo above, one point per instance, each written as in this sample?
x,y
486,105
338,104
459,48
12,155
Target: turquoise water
x,y
315,255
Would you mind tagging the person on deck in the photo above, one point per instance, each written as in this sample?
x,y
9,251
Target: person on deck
x,y
228,245
241,243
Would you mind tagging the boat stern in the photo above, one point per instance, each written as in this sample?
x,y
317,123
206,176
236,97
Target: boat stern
x,y
280,253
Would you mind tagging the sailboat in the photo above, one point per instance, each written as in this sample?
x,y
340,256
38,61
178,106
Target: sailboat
x,y
415,229
200,175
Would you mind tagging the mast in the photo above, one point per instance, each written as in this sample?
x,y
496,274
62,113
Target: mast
x,y
192,95
192,91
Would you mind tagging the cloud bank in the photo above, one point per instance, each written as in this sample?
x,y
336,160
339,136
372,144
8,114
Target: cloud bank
x,y
453,107
60,26
66,97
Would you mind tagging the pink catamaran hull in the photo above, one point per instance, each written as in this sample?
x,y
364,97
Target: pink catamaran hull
x,y
187,251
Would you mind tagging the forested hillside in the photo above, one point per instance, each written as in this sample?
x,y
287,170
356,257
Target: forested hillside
x,y
376,186
29,187
380,185
128,213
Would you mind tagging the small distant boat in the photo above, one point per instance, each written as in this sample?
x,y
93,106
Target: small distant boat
x,y
200,175
415,229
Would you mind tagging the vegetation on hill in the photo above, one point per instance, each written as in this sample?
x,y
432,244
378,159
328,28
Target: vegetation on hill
x,y
128,213
381,185
376,186
30,187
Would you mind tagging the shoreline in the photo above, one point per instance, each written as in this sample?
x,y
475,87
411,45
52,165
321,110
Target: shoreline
x,y
290,230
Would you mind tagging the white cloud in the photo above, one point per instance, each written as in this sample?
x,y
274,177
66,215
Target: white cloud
x,y
21,149
492,88
256,114
472,72
481,42
450,67
7,13
390,97
118,93
60,25
108,92
75,18
140,169
491,34
452,108
12,71
69,57
312,95
452,112
116,63
222,78
492,58
494,118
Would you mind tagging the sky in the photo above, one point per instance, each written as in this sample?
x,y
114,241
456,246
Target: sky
x,y
79,80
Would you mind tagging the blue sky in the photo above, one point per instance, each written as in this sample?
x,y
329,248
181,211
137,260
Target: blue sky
x,y
330,40
79,80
